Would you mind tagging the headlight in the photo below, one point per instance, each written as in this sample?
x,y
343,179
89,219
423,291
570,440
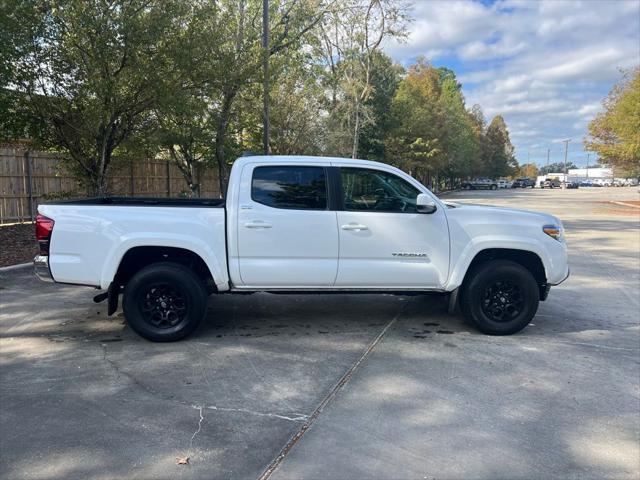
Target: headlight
x,y
553,231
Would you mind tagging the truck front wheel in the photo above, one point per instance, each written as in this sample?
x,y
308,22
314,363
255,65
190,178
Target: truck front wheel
x,y
164,302
499,297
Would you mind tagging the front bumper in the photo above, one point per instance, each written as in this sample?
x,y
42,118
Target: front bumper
x,y
563,279
41,268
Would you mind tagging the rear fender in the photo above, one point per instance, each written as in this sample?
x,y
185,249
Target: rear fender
x,y
203,250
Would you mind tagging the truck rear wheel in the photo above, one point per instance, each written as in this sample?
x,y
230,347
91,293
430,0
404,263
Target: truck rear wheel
x,y
500,297
164,302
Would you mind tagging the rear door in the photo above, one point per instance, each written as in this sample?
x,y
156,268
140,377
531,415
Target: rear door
x,y
287,235
384,242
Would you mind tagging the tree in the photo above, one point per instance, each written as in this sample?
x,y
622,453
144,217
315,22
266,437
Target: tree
x,y
183,135
528,170
385,78
435,136
459,138
90,70
19,23
614,133
478,126
230,64
296,112
555,168
499,160
352,33
415,141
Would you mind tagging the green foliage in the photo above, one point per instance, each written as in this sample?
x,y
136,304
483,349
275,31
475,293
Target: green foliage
x,y
555,168
499,160
90,71
109,81
528,170
385,78
614,133
414,143
434,134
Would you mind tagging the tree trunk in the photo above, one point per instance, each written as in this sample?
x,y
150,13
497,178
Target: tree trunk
x,y
356,132
221,135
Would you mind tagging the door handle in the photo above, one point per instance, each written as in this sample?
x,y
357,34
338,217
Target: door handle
x,y
258,224
356,227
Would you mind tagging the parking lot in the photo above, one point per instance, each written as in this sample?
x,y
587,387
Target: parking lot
x,y
339,386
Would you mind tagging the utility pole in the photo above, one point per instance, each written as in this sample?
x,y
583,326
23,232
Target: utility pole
x,y
548,152
566,150
265,81
588,155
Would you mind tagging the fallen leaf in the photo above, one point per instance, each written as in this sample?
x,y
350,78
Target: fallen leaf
x,y
182,460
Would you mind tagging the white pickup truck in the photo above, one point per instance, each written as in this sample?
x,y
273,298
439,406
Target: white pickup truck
x,y
302,224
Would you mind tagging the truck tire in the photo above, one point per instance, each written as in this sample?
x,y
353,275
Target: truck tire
x,y
164,302
499,297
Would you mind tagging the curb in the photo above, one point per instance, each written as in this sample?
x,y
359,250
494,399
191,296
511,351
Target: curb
x,y
15,267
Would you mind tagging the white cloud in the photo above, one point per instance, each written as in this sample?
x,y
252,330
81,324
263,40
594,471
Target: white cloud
x,y
544,65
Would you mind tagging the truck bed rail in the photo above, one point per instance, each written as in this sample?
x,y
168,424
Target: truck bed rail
x,y
143,201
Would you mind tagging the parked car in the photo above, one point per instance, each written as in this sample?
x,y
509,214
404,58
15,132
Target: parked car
x,y
299,224
480,184
605,182
590,183
504,184
572,185
523,183
550,183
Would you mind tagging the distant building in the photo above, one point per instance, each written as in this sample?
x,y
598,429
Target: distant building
x,y
598,173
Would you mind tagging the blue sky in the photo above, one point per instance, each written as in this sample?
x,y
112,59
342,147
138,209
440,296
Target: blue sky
x,y
544,65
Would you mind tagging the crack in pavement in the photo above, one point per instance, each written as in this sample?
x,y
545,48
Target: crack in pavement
x,y
294,416
199,427
297,417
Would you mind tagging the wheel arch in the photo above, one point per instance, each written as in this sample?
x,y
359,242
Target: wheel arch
x,y
138,257
525,255
528,259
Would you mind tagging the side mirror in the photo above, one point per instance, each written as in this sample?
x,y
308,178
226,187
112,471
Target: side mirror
x,y
424,204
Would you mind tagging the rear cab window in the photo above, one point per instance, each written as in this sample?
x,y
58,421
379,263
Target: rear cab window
x,y
290,187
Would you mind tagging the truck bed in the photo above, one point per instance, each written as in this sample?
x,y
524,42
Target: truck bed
x,y
91,236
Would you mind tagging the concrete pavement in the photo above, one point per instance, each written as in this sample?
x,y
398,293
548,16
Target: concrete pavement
x,y
335,386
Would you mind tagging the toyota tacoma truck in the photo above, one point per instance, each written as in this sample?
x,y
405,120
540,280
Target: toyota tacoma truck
x,y
294,224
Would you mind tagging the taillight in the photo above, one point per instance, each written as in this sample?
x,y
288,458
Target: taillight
x,y
44,227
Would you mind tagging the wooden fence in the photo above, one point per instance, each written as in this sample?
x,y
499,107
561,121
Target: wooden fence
x,y
29,177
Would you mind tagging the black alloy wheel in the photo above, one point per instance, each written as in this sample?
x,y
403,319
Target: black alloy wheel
x,y
502,301
165,301
164,305
499,297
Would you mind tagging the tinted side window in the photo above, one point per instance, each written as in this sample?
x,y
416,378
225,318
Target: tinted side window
x,y
377,191
290,187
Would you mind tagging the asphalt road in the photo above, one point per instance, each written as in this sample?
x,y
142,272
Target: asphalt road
x,y
322,386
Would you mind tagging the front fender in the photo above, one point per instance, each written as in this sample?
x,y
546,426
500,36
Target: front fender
x,y
486,242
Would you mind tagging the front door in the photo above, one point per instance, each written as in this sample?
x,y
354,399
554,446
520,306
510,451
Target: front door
x,y
384,242
287,236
